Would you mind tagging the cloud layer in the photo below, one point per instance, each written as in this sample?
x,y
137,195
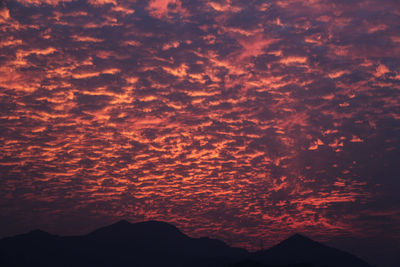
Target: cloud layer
x,y
243,120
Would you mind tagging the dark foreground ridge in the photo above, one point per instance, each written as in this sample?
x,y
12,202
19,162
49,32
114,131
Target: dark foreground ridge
x,y
155,243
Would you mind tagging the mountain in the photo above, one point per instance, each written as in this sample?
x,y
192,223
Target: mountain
x,y
300,249
151,243
155,243
252,263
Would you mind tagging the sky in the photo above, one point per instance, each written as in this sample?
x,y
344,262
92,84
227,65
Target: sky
x,y
246,121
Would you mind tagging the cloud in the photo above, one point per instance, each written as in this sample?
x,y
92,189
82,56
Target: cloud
x,y
239,119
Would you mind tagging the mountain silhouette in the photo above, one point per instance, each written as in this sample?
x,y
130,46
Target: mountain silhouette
x,y
301,249
155,243
149,243
147,232
252,263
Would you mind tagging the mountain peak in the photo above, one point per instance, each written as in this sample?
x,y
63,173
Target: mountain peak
x,y
148,229
301,249
299,241
300,237
38,232
122,223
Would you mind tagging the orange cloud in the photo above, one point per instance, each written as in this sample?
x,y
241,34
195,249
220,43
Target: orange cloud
x,y
160,8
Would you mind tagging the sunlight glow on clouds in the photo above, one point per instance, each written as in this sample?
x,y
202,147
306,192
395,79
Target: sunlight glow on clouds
x,y
233,118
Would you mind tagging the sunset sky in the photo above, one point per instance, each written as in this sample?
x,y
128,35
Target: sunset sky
x,y
245,121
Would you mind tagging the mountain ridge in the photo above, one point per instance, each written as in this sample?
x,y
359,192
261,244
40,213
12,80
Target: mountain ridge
x,y
298,249
157,243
